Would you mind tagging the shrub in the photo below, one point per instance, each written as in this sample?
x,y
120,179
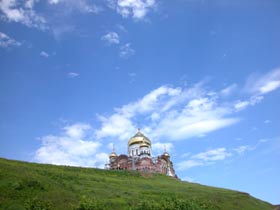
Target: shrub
x,y
92,204
38,204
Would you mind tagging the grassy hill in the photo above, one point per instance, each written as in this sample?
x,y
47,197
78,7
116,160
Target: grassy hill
x,y
38,186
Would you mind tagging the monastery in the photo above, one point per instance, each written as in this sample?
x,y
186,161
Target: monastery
x,y
140,158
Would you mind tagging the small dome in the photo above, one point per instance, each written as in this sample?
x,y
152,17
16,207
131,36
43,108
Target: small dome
x,y
113,154
139,138
166,154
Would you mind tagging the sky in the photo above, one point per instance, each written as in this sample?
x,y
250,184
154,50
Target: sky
x,y
201,78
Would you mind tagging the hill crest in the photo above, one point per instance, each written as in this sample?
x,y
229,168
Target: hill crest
x,y
28,185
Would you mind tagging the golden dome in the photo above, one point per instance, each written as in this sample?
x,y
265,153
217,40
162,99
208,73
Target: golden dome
x,y
139,138
143,144
113,154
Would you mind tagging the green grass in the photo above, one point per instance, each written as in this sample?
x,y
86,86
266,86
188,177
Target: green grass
x,y
39,186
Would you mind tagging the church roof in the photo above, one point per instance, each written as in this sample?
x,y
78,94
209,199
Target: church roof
x,y
139,138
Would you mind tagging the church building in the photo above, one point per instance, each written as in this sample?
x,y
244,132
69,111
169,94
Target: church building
x,y
140,158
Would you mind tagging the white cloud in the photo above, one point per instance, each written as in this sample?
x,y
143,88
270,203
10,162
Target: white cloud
x,y
151,101
181,128
20,12
204,158
44,54
212,155
159,147
83,6
171,113
111,38
175,114
245,148
116,125
253,100
54,1
199,117
126,51
187,164
62,15
30,3
241,105
71,148
242,149
6,41
72,74
120,124
138,9
77,130
265,83
270,86
215,155
228,90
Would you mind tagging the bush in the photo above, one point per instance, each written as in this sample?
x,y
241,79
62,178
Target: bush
x,y
37,204
173,204
92,204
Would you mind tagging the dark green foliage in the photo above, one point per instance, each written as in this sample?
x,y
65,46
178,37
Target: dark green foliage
x,y
175,204
93,204
37,204
33,186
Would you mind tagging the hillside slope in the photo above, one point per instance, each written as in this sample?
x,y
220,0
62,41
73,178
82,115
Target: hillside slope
x,y
38,186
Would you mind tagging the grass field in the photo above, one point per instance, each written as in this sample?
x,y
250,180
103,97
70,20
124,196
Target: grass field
x,y
39,186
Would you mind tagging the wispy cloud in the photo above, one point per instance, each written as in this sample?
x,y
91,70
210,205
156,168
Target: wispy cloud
x,y
172,113
212,155
204,158
265,83
72,74
253,100
187,164
176,113
44,54
111,38
126,51
83,6
242,149
6,41
132,76
228,90
51,18
137,9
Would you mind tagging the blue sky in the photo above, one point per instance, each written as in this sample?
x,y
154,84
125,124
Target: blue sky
x,y
199,77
